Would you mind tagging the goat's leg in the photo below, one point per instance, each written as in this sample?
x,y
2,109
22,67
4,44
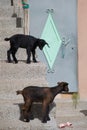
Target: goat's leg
x,y
9,56
48,118
26,110
33,55
13,55
28,55
45,112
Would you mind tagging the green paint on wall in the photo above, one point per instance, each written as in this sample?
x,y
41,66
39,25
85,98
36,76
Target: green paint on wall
x,y
52,37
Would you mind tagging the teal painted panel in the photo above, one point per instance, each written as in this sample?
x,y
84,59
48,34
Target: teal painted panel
x,y
52,37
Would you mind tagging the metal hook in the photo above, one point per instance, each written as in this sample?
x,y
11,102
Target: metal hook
x,y
50,71
49,10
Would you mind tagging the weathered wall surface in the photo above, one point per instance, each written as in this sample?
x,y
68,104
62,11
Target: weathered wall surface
x,y
82,48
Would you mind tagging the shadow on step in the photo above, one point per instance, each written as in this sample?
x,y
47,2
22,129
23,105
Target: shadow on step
x,y
84,112
36,110
20,61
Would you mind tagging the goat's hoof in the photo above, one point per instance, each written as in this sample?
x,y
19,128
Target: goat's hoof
x,y
48,118
16,62
32,117
26,120
28,62
9,61
35,61
44,121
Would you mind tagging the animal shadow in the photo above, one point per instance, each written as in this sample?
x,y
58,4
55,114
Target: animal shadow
x,y
36,111
84,112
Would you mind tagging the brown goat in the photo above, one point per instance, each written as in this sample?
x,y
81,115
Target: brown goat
x,y
44,95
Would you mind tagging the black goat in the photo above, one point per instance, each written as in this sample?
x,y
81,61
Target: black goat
x,y
44,95
24,41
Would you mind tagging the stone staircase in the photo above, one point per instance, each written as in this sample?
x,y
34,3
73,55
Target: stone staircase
x,y
16,76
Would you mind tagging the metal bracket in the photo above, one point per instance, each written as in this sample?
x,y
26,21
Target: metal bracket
x,y
50,71
49,11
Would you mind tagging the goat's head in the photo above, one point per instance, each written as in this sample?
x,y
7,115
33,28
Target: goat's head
x,y
42,43
64,86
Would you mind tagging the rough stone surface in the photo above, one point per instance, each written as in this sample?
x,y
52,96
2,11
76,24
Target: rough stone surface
x,y
17,76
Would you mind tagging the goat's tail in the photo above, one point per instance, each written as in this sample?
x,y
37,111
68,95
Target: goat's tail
x,y
19,92
7,39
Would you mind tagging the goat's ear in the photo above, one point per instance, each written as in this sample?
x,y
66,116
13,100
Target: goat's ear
x,y
67,83
58,83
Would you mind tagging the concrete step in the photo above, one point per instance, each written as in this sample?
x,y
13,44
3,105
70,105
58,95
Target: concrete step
x,y
6,2
66,109
7,22
22,70
4,46
10,117
67,113
18,76
12,108
9,32
21,53
67,104
11,11
6,11
32,125
8,88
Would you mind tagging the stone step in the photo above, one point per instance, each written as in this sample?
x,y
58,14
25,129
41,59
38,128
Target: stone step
x,y
67,104
6,2
32,125
21,53
8,88
7,23
12,108
18,76
11,11
10,117
9,32
22,70
4,46
6,11
66,109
